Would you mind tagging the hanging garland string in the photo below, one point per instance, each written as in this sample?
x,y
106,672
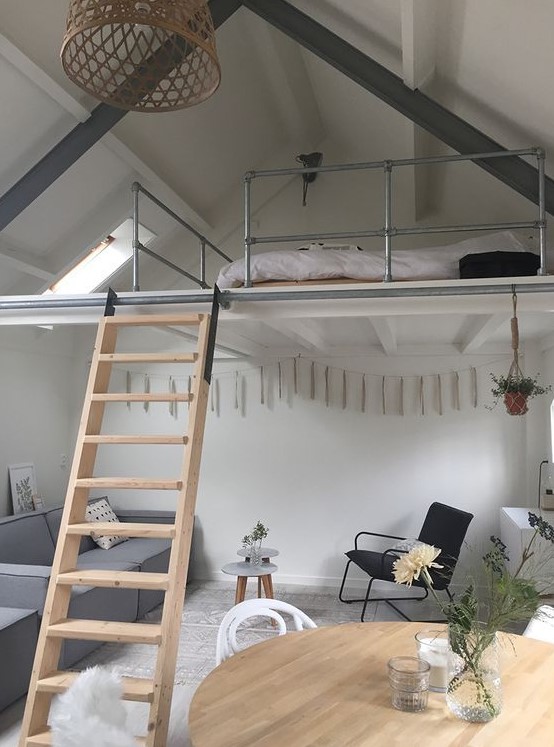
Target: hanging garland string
x,y
347,378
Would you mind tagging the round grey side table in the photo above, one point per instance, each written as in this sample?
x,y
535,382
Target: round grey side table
x,y
265,553
244,570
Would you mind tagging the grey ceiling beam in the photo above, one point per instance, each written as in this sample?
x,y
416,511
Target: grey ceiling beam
x,y
77,142
423,111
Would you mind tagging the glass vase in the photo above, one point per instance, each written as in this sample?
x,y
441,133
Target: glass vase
x,y
474,691
254,554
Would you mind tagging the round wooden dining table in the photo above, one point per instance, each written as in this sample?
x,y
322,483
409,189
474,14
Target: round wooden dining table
x,y
329,687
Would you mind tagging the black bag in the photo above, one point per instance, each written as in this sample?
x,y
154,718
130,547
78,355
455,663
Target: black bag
x,y
499,264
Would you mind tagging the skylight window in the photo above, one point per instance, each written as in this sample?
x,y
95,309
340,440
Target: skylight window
x,y
102,262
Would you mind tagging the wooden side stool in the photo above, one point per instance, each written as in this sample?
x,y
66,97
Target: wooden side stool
x,y
243,570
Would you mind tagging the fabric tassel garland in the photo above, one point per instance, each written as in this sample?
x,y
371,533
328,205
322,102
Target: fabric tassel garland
x,y
474,386
384,396
326,386
363,393
402,395
236,390
128,386
456,390
189,389
173,390
312,381
279,378
344,399
421,396
439,393
261,385
146,404
295,376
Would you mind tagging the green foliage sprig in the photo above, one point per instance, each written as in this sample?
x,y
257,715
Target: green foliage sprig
x,y
258,533
527,385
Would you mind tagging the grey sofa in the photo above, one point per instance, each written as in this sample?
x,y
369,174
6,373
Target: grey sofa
x,y
27,544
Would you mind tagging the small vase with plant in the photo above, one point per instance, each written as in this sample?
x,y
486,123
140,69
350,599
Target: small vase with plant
x,y
516,390
504,598
252,542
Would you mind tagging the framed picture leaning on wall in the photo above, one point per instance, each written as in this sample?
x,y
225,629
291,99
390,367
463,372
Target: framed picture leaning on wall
x,y
23,484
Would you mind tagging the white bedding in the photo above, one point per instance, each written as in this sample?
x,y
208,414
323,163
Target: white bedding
x,y
436,263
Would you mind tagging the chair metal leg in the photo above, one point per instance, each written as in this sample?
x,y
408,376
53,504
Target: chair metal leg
x,y
346,601
366,599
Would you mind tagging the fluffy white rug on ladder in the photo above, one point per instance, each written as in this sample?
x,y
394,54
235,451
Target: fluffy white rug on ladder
x,y
92,714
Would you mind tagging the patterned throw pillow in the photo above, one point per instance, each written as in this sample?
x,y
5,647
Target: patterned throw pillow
x,y
101,510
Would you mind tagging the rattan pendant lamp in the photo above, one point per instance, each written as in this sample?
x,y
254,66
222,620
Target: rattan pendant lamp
x,y
150,56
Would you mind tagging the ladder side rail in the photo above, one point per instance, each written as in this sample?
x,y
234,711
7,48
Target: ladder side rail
x,y
179,559
67,547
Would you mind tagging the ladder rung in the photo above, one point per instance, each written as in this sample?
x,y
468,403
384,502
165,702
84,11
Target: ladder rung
x,y
115,579
148,357
158,320
44,739
142,397
134,688
107,439
123,529
128,482
106,630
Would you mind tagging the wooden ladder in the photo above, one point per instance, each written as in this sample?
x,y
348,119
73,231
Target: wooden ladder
x,y
46,680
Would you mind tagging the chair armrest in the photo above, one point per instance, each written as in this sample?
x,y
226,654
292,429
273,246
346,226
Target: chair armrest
x,y
386,552
24,586
376,534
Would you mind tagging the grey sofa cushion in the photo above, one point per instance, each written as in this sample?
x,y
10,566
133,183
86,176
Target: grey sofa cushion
x,y
26,539
137,550
24,586
151,554
54,518
18,639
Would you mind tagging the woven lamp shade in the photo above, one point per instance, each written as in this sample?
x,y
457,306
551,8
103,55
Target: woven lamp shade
x,y
152,55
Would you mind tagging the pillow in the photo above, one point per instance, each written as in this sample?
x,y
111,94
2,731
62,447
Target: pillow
x,y
406,545
101,510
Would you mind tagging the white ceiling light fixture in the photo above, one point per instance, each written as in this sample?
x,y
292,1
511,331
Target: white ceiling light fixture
x,y
151,55
102,262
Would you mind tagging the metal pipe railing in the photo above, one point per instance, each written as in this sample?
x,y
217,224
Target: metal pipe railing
x,y
137,188
389,230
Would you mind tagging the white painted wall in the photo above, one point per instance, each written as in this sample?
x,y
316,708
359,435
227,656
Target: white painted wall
x,y
317,475
37,407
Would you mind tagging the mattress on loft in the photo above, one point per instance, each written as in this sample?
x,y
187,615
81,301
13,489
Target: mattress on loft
x,y
434,263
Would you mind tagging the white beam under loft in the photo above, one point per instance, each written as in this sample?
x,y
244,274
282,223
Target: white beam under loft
x,y
25,262
49,86
481,331
302,332
418,41
385,331
419,23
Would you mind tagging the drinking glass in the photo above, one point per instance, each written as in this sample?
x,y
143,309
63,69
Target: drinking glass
x,y
409,681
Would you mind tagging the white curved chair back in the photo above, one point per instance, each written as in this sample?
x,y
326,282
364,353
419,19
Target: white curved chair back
x,y
541,625
227,635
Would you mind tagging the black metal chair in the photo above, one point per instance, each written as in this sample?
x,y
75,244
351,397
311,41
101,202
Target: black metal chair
x,y
444,527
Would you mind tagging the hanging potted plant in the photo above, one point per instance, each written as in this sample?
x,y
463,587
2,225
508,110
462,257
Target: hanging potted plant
x,y
516,391
515,388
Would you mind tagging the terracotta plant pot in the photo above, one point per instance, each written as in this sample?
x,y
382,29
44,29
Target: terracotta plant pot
x,y
516,403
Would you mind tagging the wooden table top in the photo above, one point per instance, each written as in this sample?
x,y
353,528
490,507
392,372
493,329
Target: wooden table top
x,y
329,687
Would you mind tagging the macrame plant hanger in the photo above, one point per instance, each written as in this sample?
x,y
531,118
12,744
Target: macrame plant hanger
x,y
515,401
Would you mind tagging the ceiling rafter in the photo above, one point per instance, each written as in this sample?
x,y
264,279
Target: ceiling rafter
x,y
481,331
386,333
25,262
301,332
